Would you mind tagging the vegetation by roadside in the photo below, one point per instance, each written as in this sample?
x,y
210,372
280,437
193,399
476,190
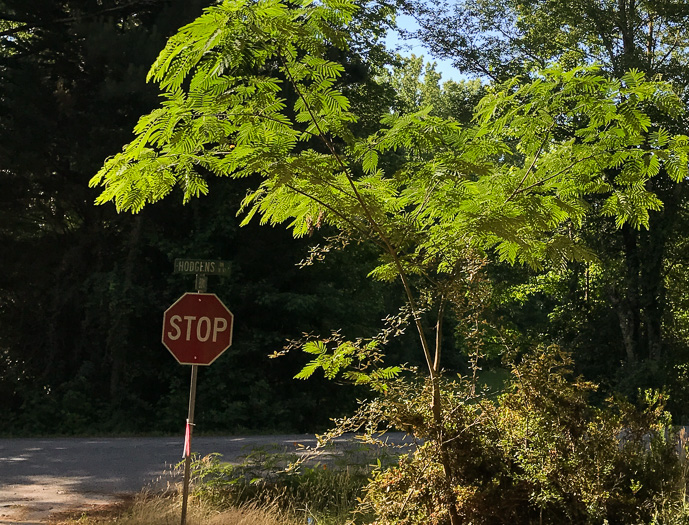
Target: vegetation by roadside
x,y
538,453
261,491
164,510
319,496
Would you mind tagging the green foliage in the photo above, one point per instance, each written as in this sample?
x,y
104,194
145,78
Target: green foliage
x,y
539,453
499,39
417,85
357,362
632,317
228,118
325,492
459,186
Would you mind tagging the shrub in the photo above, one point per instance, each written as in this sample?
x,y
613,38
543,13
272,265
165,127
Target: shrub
x,y
537,453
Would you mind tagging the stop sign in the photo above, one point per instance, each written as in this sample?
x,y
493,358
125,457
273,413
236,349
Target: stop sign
x,y
197,328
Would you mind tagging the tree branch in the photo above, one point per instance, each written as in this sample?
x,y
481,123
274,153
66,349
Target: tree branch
x,y
333,211
533,163
543,181
439,334
374,224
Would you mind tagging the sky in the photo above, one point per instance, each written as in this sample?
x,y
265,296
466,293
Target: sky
x,y
409,47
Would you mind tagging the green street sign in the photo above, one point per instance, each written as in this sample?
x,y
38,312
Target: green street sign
x,y
200,266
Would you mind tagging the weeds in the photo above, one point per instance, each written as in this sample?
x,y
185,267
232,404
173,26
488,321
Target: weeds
x,y
539,453
326,492
165,510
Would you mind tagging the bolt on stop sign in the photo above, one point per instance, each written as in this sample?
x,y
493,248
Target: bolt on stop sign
x,y
197,328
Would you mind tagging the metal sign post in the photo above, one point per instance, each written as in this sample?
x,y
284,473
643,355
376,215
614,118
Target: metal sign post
x,y
222,325
187,442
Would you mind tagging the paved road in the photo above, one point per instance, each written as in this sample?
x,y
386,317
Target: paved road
x,y
42,476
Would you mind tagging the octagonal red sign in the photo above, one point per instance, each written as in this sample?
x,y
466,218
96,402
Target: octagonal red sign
x,y
197,328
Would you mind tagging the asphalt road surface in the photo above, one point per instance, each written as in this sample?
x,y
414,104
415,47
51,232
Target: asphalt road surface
x,y
40,477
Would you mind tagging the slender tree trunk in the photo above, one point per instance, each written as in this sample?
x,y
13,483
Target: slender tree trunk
x,y
653,290
628,326
431,361
438,417
626,299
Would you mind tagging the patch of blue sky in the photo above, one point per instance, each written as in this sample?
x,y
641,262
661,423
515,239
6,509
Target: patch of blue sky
x,y
408,47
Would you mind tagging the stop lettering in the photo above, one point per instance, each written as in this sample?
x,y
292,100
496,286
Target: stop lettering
x,y
197,328
205,328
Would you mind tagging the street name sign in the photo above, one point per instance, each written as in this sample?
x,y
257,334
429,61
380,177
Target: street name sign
x,y
197,328
202,266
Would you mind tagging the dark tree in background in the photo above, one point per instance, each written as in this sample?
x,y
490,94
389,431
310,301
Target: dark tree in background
x,y
82,289
72,85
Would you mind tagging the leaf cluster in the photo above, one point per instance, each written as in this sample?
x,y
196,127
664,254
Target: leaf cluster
x,y
224,111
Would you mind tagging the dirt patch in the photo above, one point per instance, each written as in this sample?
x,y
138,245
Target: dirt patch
x,y
49,500
109,510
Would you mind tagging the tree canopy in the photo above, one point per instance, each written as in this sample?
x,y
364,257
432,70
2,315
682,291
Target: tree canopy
x,y
501,39
508,182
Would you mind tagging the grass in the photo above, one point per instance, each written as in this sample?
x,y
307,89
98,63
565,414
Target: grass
x,y
260,491
324,492
166,510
